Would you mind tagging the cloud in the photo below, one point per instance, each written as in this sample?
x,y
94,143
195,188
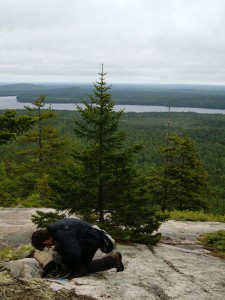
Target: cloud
x,y
137,40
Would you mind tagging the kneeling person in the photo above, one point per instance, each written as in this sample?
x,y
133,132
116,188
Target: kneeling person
x,y
77,242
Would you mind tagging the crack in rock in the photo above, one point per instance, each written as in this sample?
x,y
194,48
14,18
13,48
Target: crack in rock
x,y
157,291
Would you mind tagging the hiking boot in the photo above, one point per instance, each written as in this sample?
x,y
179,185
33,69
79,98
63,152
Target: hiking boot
x,y
118,261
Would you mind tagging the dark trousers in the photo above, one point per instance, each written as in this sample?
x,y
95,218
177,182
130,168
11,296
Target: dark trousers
x,y
88,249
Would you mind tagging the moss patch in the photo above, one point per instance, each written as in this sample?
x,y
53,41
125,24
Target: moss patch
x,y
10,253
215,242
11,289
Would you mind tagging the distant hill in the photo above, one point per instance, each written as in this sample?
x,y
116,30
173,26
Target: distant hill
x,y
21,87
55,93
205,96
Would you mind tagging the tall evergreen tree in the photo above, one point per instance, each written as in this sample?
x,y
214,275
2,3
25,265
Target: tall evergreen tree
x,y
106,163
43,149
11,127
181,183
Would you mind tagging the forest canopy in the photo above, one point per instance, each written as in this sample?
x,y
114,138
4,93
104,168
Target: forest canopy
x,y
101,163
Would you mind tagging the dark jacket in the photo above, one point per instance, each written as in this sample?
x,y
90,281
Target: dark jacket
x,y
68,234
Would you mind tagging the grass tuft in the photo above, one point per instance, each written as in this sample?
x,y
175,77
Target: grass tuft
x,y
215,242
195,216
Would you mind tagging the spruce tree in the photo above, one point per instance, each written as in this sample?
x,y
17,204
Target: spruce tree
x,y
42,150
107,164
181,182
105,186
11,125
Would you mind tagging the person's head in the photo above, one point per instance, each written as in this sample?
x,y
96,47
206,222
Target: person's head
x,y
41,239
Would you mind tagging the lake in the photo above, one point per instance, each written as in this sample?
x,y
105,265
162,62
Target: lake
x,y
11,103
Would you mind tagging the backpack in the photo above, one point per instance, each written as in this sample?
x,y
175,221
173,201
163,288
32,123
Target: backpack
x,y
107,242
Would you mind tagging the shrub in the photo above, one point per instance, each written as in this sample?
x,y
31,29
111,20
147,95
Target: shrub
x,y
214,241
187,215
42,219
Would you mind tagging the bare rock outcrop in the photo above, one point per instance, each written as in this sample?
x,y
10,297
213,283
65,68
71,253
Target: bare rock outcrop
x,y
168,273
28,268
177,268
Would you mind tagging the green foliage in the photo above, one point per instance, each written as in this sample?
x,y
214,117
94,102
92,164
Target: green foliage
x,y
42,219
5,197
144,232
107,186
128,235
10,253
187,215
8,185
42,150
135,218
59,180
11,125
106,162
32,200
206,130
181,182
143,94
44,144
214,241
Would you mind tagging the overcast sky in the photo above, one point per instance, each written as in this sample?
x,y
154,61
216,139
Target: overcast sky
x,y
138,41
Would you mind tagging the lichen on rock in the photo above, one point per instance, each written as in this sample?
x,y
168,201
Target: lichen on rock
x,y
36,289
